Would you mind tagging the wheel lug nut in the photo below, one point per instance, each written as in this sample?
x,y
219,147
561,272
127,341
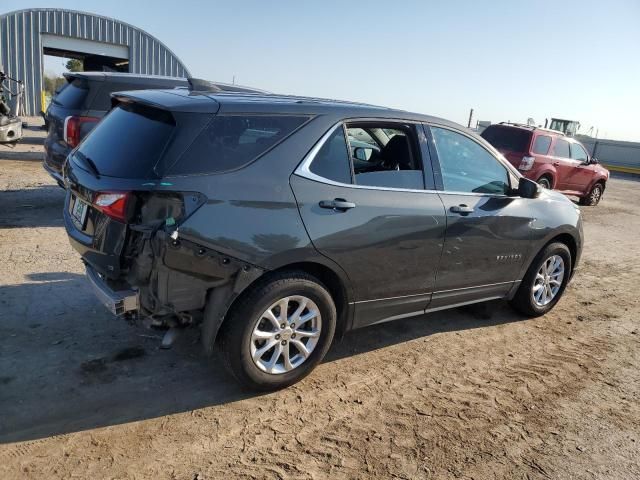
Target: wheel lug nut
x,y
284,342
293,335
278,337
282,325
293,325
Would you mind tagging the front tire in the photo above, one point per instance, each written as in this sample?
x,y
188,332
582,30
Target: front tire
x,y
545,281
279,331
594,197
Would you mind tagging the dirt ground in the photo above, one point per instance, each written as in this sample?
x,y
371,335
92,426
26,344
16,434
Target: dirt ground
x,y
470,393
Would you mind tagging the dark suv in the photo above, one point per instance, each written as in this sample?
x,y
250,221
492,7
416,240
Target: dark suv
x,y
551,159
85,99
254,218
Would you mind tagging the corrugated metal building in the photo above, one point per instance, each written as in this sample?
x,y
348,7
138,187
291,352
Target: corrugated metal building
x,y
26,34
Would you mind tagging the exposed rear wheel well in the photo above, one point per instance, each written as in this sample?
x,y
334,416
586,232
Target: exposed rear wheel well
x,y
324,274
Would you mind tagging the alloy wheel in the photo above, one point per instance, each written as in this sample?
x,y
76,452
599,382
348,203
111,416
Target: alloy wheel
x,y
286,334
548,280
596,194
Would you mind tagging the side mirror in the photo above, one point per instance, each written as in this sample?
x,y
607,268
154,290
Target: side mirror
x,y
593,160
528,188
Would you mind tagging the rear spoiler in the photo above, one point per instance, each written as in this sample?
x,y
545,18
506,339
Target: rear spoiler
x,y
175,100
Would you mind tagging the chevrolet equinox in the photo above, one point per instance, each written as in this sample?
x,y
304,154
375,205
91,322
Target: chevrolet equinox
x,y
274,223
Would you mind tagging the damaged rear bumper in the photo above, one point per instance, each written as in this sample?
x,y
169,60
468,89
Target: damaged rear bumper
x,y
118,302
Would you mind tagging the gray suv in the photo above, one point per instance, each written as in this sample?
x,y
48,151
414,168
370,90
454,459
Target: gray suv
x,y
253,218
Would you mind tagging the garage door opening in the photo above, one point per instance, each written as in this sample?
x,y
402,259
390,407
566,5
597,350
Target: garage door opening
x,y
91,62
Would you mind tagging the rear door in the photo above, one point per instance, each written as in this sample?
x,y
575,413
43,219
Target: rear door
x,y
488,232
112,160
377,221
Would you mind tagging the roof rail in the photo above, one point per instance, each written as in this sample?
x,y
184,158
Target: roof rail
x,y
533,127
518,124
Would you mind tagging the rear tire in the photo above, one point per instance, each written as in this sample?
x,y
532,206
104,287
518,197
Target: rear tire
x,y
545,182
543,285
594,197
255,324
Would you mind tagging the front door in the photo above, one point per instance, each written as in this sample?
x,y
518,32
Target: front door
x,y
581,176
487,235
374,218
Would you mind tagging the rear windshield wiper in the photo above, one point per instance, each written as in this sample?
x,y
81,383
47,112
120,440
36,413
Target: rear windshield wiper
x,y
90,163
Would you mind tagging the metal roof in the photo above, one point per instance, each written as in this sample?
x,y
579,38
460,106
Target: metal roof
x,y
21,45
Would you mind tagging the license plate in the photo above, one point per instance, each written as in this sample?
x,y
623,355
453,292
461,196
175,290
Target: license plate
x,y
79,213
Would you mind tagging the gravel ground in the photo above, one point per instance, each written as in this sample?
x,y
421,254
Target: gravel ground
x,y
470,393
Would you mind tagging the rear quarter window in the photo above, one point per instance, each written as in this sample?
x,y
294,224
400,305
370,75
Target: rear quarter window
x,y
232,141
73,94
508,138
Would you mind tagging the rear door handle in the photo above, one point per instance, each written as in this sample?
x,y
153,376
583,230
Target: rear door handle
x,y
462,209
337,204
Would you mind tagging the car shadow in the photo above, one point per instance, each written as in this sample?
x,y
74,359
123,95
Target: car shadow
x,y
67,365
39,206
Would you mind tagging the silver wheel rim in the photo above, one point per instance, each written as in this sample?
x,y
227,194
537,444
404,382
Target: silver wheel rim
x,y
286,334
596,193
544,183
548,281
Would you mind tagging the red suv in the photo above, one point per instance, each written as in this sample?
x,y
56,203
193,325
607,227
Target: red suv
x,y
551,159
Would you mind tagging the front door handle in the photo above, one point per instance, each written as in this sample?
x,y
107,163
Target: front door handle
x,y
462,209
337,204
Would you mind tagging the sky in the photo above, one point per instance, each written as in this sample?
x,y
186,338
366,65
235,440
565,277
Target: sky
x,y
508,60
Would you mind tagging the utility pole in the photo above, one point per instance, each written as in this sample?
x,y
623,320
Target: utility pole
x,y
470,117
233,82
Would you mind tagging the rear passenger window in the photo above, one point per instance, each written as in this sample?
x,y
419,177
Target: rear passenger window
x,y
542,144
332,160
389,159
561,149
232,141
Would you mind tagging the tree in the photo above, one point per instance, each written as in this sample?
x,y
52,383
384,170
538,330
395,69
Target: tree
x,y
75,65
51,84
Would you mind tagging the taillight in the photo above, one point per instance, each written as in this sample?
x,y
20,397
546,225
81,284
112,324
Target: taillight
x,y
112,204
526,163
75,128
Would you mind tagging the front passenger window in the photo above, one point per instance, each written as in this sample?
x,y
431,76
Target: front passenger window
x,y
466,166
